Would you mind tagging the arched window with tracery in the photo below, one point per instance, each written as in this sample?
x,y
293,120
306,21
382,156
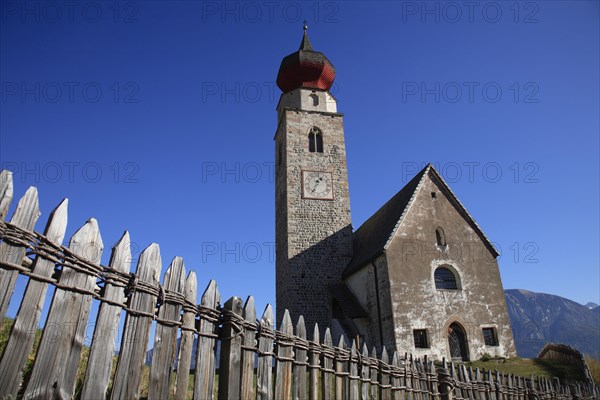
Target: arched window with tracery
x,y
440,236
445,278
315,140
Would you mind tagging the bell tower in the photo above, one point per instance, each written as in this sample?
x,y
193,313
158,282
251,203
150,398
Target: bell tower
x,y
313,225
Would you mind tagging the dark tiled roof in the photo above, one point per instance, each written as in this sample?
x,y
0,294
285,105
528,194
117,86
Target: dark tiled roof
x,y
370,239
347,302
305,68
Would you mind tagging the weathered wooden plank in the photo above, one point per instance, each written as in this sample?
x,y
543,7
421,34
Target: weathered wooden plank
x,y
433,381
165,337
264,380
249,314
137,327
424,378
231,350
204,377
299,390
384,376
395,379
445,383
365,375
480,387
414,373
340,369
421,385
285,352
25,217
464,377
187,339
314,359
100,361
58,356
6,192
457,392
327,375
353,379
408,377
22,335
374,369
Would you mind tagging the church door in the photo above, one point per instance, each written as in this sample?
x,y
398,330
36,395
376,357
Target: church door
x,y
457,339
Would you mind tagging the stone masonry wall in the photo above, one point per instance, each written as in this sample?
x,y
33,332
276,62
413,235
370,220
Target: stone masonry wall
x,y
313,237
413,256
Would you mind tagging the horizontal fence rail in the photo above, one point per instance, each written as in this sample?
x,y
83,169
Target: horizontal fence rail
x,y
254,361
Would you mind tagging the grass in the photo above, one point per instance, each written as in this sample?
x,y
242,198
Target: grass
x,y
594,366
527,367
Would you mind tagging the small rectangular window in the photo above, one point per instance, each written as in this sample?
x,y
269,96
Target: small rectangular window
x,y
433,195
489,337
420,336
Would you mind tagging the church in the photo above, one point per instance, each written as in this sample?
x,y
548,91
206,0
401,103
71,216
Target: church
x,y
418,276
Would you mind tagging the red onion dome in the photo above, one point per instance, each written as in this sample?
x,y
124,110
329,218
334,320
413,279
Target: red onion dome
x,y
305,68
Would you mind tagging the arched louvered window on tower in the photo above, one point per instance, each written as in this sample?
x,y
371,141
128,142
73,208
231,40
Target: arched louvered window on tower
x,y
445,278
315,140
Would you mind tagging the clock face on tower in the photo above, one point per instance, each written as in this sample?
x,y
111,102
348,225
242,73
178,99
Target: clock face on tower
x,y
317,185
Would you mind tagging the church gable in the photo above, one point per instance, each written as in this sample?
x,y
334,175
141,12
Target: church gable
x,y
376,233
432,187
439,257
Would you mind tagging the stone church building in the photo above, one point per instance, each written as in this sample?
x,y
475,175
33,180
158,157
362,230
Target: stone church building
x,y
418,276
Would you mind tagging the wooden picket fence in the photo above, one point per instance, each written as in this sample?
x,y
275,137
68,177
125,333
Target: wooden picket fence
x,y
256,361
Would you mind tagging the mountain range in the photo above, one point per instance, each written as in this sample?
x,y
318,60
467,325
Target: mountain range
x,y
539,318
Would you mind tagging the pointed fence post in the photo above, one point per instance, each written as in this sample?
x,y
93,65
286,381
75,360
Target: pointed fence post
x,y
314,354
365,376
248,350
24,217
374,374
492,386
353,378
285,353
511,390
327,353
102,351
384,375
264,380
186,343
464,377
6,192
204,375
55,368
231,350
300,361
416,376
423,378
139,318
22,335
165,337
445,381
532,394
432,379
340,368
395,379
479,386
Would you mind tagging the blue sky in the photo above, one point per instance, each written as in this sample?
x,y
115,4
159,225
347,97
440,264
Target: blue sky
x,y
158,117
